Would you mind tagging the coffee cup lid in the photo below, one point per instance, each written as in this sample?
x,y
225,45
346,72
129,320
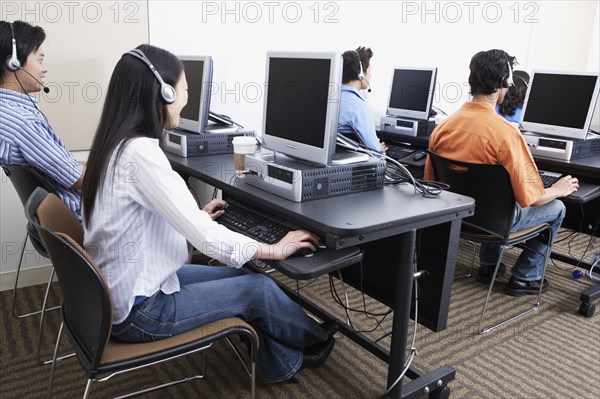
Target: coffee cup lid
x,y
244,140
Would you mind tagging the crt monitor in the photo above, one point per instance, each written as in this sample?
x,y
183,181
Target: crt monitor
x,y
198,72
560,103
301,106
411,92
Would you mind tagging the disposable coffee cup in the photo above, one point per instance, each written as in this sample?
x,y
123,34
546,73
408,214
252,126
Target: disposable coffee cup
x,y
242,145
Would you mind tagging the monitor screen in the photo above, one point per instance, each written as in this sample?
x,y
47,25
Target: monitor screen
x,y
198,72
301,105
560,103
411,92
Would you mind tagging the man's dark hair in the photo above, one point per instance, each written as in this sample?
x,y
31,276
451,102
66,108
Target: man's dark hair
x,y
28,38
351,64
489,71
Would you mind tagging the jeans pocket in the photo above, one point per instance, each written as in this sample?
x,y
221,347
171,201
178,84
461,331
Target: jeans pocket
x,y
132,333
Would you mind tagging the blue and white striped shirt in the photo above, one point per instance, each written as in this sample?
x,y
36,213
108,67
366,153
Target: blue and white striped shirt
x,y
26,138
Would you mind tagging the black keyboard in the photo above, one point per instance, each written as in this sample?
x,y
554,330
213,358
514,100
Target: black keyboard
x,y
397,152
549,178
253,222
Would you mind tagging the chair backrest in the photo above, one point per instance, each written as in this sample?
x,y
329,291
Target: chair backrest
x,y
51,213
87,307
489,185
25,179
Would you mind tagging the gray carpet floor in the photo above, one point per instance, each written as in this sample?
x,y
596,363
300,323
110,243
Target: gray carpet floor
x,y
552,353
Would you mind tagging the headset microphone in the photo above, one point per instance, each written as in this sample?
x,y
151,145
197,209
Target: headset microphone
x,y
369,89
13,64
45,88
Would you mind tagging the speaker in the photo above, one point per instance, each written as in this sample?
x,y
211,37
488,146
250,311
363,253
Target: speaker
x,y
13,64
167,92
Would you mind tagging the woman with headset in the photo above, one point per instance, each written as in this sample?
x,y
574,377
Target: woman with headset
x,y
355,117
512,105
139,214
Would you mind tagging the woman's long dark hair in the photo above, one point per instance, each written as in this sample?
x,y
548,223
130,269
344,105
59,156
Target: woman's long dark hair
x,y
132,108
515,96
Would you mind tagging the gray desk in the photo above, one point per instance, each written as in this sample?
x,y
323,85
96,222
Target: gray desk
x,y
579,214
393,216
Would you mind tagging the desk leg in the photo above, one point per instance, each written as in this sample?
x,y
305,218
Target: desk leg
x,y
402,303
421,383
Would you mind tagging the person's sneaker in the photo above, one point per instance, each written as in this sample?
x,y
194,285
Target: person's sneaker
x,y
485,272
516,287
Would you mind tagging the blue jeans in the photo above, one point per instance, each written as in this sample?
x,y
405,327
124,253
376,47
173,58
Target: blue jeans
x,y
530,264
210,293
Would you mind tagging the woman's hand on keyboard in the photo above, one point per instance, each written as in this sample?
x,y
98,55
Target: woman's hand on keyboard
x,y
290,243
215,208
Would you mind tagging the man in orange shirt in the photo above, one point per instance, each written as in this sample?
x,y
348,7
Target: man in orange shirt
x,y
477,134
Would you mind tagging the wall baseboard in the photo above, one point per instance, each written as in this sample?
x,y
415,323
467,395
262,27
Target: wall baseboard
x,y
30,276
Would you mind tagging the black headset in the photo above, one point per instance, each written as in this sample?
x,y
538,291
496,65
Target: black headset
x,y
361,75
167,92
508,82
13,64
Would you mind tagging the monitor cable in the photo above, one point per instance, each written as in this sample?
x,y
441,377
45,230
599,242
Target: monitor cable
x,y
396,173
595,263
345,305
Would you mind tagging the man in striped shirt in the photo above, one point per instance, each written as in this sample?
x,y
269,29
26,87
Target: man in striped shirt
x,y
26,137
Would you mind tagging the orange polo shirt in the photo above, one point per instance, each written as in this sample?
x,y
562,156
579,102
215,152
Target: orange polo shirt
x,y
477,134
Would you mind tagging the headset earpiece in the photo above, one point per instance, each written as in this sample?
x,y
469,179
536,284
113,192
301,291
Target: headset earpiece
x,y
509,80
167,92
361,74
13,64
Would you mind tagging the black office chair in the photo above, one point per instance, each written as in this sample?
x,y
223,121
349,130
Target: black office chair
x,y
490,186
87,307
25,180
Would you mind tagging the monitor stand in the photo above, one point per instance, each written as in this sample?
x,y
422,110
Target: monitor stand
x,y
345,158
216,128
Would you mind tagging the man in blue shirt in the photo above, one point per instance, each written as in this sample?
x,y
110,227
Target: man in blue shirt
x,y
26,137
355,117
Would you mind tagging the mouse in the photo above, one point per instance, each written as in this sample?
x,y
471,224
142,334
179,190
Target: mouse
x,y
419,156
306,252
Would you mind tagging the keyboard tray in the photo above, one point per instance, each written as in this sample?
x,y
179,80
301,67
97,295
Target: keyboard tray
x,y
322,262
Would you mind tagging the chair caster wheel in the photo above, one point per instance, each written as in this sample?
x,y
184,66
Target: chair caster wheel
x,y
442,392
587,309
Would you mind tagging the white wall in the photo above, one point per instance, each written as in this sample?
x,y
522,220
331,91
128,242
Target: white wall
x,y
542,34
594,65
84,40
